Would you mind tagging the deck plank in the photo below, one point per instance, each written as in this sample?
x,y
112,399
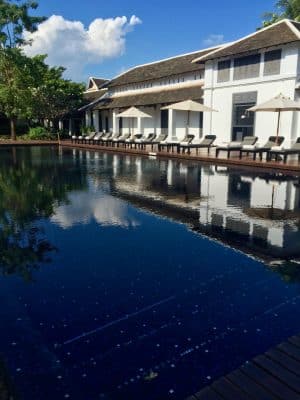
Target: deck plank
x,y
295,340
208,394
269,382
285,360
248,385
284,375
290,349
274,375
228,390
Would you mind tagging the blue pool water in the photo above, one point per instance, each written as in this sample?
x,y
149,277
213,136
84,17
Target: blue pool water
x,y
133,278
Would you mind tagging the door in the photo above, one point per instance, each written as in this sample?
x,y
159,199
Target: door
x,y
164,121
243,121
120,125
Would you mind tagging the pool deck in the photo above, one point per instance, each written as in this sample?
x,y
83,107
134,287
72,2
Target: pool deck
x,y
274,375
247,162
290,166
8,143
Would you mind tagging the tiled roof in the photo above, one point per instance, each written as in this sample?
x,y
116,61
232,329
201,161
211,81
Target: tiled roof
x,y
160,69
280,33
162,97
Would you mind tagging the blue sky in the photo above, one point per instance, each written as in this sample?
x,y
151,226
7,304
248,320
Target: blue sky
x,y
168,28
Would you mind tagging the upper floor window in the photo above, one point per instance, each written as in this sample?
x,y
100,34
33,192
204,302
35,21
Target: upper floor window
x,y
272,62
246,67
223,71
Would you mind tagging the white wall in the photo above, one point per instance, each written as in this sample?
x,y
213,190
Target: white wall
x,y
220,97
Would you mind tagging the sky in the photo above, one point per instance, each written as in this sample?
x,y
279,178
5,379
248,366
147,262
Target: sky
x,y
105,38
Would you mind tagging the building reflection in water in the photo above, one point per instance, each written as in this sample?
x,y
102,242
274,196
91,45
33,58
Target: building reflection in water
x,y
252,211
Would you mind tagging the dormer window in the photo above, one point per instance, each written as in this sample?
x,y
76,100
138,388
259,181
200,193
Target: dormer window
x,y
223,71
246,67
272,62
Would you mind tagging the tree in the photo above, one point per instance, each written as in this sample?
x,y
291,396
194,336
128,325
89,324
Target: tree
x,y
285,9
14,65
16,82
54,96
14,19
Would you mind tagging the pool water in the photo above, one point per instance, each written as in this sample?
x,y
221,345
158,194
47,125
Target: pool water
x,y
125,277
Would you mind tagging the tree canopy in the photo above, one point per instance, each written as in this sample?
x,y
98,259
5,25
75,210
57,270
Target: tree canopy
x,y
283,9
14,19
29,88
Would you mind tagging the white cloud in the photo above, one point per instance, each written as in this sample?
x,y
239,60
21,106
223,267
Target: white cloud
x,y
85,207
70,44
213,40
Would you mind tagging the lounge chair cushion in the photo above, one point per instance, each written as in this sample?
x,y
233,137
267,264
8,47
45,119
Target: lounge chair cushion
x,y
276,148
231,145
249,146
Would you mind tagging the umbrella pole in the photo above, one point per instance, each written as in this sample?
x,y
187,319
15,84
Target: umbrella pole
x,y
188,123
278,124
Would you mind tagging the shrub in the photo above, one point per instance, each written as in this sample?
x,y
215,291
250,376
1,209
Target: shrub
x,y
40,133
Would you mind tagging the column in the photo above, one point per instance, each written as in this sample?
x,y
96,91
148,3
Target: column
x,y
60,125
88,119
139,125
156,120
171,128
96,120
70,127
115,121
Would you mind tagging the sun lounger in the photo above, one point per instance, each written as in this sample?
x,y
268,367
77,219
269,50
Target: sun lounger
x,y
206,143
97,137
236,146
294,150
260,150
88,138
158,140
113,138
122,139
187,141
105,138
130,141
144,140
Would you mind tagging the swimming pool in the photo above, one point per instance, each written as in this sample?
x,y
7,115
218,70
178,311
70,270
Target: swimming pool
x,y
130,277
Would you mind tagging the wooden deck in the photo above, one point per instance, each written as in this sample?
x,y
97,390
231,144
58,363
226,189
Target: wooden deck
x,y
274,375
6,143
290,166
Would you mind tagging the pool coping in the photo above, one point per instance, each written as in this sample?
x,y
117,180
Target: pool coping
x,y
235,162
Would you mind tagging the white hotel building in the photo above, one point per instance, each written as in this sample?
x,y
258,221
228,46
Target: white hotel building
x,y
229,78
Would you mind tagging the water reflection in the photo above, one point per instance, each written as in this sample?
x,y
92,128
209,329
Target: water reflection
x,y
255,212
32,184
147,296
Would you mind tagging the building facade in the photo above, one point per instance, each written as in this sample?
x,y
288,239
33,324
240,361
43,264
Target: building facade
x,y
230,79
251,71
150,87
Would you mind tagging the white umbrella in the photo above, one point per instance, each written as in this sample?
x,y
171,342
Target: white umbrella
x,y
133,112
188,105
277,104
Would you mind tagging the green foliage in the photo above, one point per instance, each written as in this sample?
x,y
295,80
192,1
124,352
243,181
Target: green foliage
x,y
40,133
284,9
29,193
85,130
14,20
55,96
29,88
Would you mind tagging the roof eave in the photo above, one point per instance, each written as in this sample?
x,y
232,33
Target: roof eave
x,y
213,55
